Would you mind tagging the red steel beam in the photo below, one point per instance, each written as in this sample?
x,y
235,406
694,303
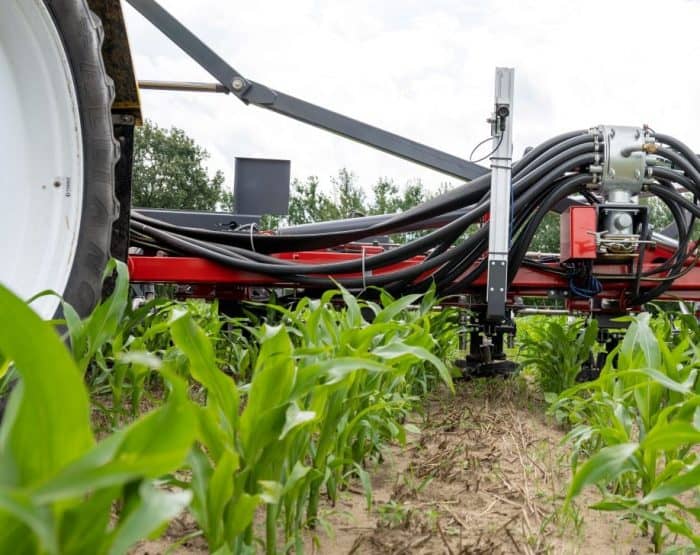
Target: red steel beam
x,y
528,281
192,270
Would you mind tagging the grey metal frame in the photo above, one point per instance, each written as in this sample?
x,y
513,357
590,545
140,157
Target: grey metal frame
x,y
216,221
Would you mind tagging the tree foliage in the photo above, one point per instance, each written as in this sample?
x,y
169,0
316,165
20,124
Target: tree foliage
x,y
345,198
546,238
170,171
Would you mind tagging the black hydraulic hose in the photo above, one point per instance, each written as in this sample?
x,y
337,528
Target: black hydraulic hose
x,y
449,272
187,246
448,275
670,197
459,197
672,194
270,243
692,183
680,147
683,227
461,286
552,164
272,265
539,181
552,171
568,187
533,153
556,150
409,273
583,153
476,187
674,176
520,199
553,159
463,256
281,243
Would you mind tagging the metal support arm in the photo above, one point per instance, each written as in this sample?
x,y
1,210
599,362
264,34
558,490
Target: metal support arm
x,y
500,216
265,97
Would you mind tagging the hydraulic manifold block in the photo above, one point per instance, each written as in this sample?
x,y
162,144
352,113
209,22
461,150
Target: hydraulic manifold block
x,y
621,218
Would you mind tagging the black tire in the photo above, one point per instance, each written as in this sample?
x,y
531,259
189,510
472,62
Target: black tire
x,y
82,35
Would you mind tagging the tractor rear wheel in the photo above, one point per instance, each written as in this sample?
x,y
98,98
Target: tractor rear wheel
x,y
57,152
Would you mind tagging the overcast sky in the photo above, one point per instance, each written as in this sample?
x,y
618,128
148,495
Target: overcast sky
x,y
424,69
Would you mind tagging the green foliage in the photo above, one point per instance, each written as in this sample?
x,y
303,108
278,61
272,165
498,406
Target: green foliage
x,y
556,350
345,198
547,236
305,400
659,214
57,486
639,423
309,202
389,198
170,172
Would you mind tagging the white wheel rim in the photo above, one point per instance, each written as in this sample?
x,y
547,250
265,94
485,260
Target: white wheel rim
x,y
41,152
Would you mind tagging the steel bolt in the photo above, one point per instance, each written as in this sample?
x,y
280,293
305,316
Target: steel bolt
x,y
623,221
637,174
237,84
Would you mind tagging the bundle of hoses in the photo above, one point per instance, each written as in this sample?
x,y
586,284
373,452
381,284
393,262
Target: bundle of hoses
x,y
556,169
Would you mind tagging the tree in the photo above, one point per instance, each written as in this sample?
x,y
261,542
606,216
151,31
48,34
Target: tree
x,y
389,198
659,214
169,171
309,203
547,236
385,197
349,197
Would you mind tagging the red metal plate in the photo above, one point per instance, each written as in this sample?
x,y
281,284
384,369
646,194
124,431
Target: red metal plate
x,y
578,227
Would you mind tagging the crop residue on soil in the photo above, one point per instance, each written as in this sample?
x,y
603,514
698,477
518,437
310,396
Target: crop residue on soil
x,y
487,475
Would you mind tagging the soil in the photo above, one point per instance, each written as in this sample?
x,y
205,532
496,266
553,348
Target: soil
x,y
486,475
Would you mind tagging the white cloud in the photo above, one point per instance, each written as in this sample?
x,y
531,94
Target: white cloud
x,y
425,70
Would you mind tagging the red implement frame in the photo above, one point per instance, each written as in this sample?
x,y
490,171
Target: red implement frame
x,y
207,277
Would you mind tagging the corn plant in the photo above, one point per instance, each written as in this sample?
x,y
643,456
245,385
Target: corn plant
x,y
117,345
638,423
57,485
256,415
556,350
328,389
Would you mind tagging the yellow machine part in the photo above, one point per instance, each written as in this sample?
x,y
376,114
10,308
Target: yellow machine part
x,y
118,59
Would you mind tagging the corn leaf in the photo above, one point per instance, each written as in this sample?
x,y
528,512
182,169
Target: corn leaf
x,y
155,508
51,404
605,465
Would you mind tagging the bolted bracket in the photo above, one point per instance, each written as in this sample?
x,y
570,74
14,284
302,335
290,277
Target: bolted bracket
x,y
625,159
623,174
